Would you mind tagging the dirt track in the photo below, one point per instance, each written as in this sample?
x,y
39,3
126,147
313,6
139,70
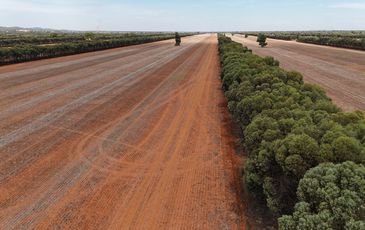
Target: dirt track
x,y
341,72
129,138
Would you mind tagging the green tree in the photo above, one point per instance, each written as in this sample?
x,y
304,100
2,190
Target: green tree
x,y
261,39
177,39
89,36
330,197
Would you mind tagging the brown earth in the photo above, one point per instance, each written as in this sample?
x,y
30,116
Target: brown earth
x,y
130,138
340,72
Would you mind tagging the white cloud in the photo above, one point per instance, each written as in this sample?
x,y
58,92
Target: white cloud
x,y
352,5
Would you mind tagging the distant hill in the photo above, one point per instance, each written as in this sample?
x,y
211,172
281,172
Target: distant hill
x,y
17,29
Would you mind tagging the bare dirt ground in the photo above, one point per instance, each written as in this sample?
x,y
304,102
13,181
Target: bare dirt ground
x,y
129,138
341,72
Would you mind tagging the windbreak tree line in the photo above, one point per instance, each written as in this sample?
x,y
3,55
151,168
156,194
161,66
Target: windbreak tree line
x,y
15,40
352,40
344,42
10,40
33,52
305,156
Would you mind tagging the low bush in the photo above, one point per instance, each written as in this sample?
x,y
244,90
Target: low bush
x,y
329,197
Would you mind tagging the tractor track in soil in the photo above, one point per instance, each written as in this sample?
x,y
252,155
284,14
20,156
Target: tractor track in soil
x,y
130,138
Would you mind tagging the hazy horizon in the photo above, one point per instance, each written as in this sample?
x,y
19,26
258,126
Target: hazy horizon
x,y
203,15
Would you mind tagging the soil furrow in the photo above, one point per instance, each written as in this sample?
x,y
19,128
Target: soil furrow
x,y
132,141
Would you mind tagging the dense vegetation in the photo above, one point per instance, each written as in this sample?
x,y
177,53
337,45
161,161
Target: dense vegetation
x,y
71,44
330,197
32,38
344,39
352,43
288,128
9,40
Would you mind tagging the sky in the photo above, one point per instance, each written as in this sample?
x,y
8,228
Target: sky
x,y
185,15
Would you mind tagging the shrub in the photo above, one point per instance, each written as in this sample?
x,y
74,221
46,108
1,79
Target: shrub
x,y
330,197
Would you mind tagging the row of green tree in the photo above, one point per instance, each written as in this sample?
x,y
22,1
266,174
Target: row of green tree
x,y
10,40
343,42
281,36
33,52
295,34
305,156
352,40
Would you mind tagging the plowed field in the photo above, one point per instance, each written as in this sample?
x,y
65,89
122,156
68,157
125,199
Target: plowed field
x,y
130,138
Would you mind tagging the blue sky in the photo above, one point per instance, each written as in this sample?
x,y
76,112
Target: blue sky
x,y
185,15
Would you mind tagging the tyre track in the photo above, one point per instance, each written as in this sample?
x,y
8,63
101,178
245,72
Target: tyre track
x,y
73,86
46,198
65,77
52,116
136,154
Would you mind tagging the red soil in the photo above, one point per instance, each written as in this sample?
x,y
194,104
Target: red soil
x,y
130,138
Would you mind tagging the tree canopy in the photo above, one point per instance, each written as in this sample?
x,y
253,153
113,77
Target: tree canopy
x,y
177,39
261,39
329,197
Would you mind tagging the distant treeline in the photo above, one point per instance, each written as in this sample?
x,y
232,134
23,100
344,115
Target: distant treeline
x,y
352,40
10,40
305,156
73,45
352,43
